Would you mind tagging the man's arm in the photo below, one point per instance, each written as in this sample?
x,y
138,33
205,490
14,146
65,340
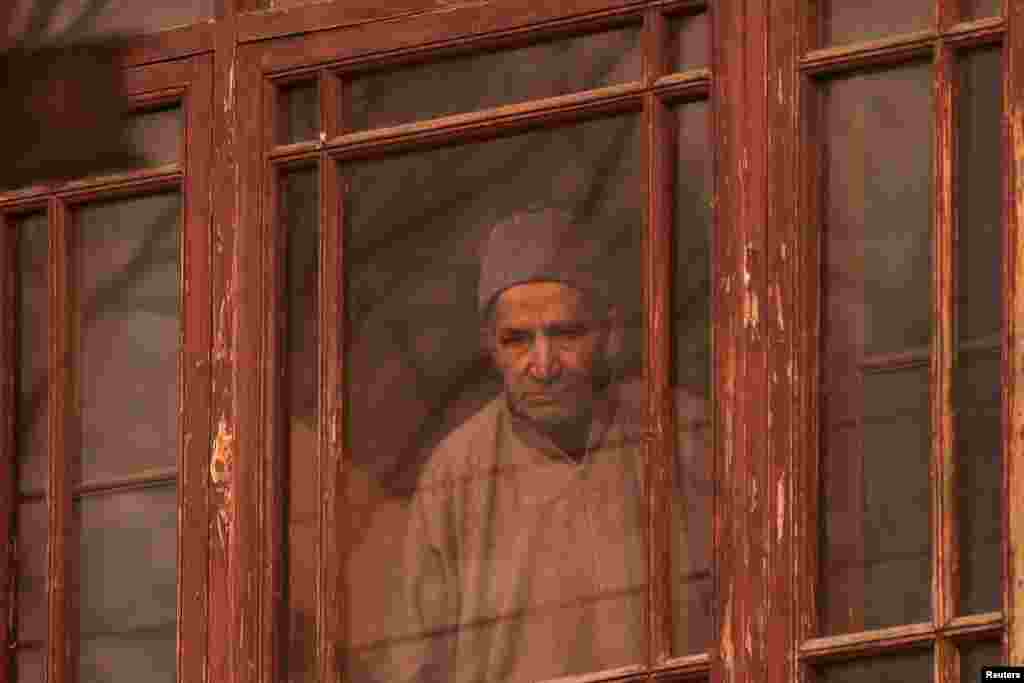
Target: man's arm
x,y
430,594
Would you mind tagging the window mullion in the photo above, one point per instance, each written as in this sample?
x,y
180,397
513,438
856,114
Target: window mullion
x,y
657,265
61,640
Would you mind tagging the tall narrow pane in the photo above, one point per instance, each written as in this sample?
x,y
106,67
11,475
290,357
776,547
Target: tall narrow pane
x,y
30,665
299,111
974,656
495,407
299,221
31,558
126,275
875,567
977,381
691,318
979,9
126,586
32,328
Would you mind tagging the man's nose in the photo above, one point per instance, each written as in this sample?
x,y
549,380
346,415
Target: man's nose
x,y
544,363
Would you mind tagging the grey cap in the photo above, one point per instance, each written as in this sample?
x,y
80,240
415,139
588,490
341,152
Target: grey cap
x,y
541,245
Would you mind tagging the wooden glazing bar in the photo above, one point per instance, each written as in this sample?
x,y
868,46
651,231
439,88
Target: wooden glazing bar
x,y
977,32
974,625
30,496
896,360
657,158
333,546
127,181
884,51
194,372
171,44
1013,366
692,84
945,662
149,479
24,645
867,642
61,401
8,456
945,578
274,597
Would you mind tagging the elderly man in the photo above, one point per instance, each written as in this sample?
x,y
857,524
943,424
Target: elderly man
x,y
525,554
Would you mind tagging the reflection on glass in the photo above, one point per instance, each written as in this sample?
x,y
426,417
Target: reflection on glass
x,y
30,665
976,382
128,545
979,9
299,112
467,83
848,22
691,319
126,261
874,512
886,669
494,403
31,598
156,133
299,218
974,656
32,352
689,41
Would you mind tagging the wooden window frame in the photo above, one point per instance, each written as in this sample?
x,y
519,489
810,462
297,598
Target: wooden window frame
x,y
171,67
798,229
265,64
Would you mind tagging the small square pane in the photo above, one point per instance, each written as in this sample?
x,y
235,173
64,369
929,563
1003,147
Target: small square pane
x,y
32,330
30,665
980,9
897,668
689,41
974,656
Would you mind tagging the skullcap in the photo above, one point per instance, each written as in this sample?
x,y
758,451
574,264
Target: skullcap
x,y
540,245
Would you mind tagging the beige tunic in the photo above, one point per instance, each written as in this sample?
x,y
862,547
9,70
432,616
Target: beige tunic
x,y
524,564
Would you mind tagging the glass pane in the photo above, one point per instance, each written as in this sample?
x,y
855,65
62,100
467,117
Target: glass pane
x,y
30,665
300,112
974,656
901,668
976,383
691,320
874,513
31,572
128,544
849,21
157,134
979,9
689,41
299,216
494,408
109,17
126,274
33,343
468,83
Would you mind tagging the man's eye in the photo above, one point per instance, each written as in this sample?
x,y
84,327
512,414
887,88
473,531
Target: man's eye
x,y
570,332
514,339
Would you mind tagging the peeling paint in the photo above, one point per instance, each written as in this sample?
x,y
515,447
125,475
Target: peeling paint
x,y
783,251
777,291
231,88
751,311
220,342
220,475
780,508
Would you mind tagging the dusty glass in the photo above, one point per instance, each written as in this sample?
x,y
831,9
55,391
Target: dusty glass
x,y
874,512
495,405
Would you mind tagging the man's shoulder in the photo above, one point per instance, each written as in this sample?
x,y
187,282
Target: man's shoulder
x,y
468,447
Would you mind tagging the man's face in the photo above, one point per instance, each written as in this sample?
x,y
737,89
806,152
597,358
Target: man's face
x,y
551,351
